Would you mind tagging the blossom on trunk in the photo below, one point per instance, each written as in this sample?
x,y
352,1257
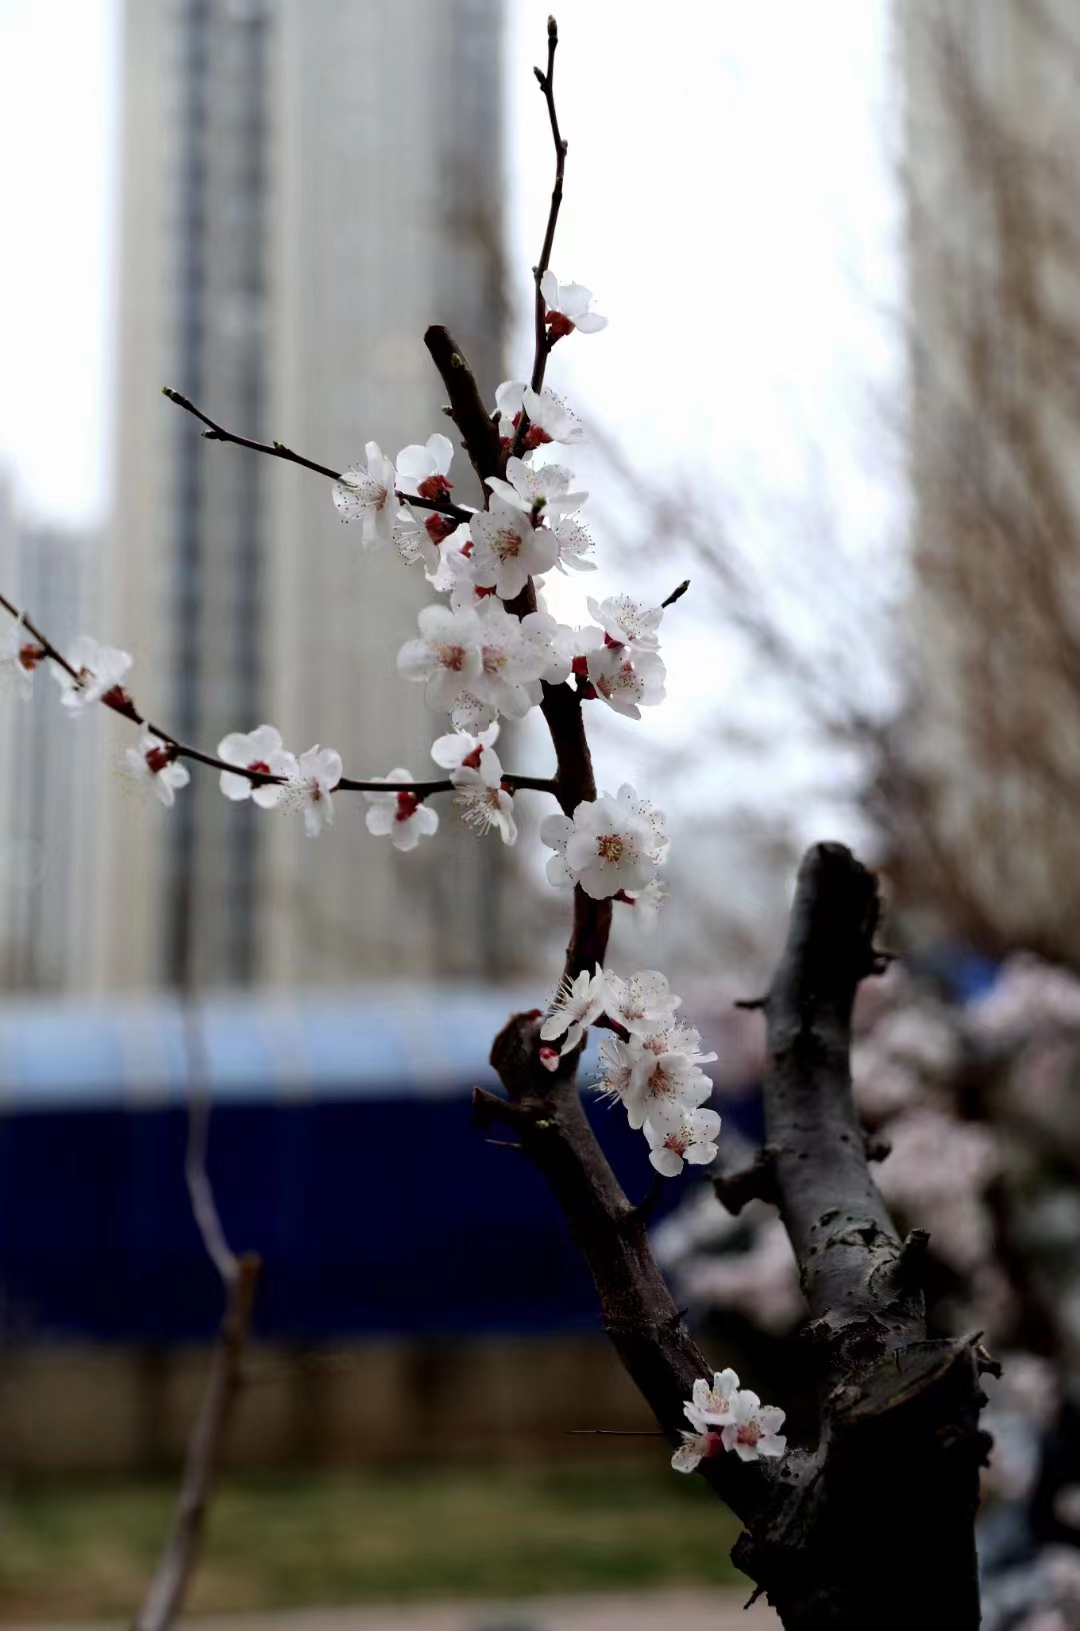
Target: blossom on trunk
x,y
692,1139
546,489
317,773
753,1429
20,654
484,801
710,1402
575,1006
568,307
513,658
695,1448
508,549
101,669
447,655
152,763
399,813
611,844
260,749
367,494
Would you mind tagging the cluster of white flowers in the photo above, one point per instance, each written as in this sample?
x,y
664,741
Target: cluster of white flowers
x,y
652,1065
724,1416
610,846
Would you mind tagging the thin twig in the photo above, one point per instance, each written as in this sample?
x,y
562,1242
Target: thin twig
x,y
278,450
542,346
118,701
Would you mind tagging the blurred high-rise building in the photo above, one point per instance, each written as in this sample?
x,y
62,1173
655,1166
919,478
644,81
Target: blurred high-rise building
x,y
307,184
47,764
985,787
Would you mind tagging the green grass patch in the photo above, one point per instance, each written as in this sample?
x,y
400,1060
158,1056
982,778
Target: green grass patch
x,y
83,1550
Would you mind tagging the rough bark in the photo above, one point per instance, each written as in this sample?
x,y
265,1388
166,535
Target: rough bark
x,y
873,1526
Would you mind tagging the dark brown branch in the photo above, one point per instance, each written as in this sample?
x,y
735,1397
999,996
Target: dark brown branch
x,y
677,593
118,701
637,1309
479,432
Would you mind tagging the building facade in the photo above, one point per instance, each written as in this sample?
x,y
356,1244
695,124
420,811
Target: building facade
x,y
307,184
990,763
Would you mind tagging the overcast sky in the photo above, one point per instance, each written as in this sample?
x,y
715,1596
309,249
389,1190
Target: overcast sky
x,y
729,199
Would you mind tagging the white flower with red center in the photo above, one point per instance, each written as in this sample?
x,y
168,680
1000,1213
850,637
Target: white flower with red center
x,y
568,308
663,1088
101,670
611,844
532,490
508,550
152,763
447,656
550,420
710,1402
423,470
575,1006
693,1140
616,1065
259,750
556,642
695,1448
484,801
628,622
753,1429
318,772
643,1002
512,661
626,677
574,541
368,495
19,656
399,812
462,747
676,1037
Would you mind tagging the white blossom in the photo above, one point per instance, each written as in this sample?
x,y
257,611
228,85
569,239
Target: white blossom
x,y
484,801
557,643
695,1448
19,656
550,420
610,844
753,1429
100,670
691,1139
459,747
575,1006
568,307
508,549
546,488
710,1402
627,678
628,622
367,495
423,470
447,655
663,1088
260,749
317,774
643,1002
399,813
650,902
513,658
574,541
151,762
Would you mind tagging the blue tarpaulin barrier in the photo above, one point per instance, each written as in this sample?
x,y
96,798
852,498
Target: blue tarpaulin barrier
x,y
341,1150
